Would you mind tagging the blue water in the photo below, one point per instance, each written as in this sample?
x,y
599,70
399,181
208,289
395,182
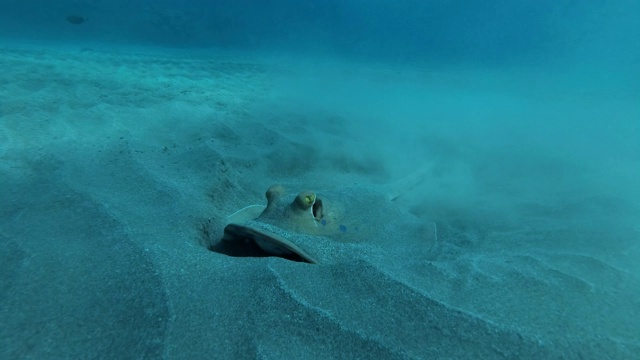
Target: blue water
x,y
492,32
526,115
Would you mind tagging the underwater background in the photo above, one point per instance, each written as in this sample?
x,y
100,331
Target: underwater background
x,y
497,33
479,160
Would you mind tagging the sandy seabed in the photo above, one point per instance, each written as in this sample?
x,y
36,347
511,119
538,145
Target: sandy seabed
x,y
118,170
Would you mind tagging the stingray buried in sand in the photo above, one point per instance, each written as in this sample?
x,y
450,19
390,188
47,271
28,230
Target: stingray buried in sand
x,y
324,228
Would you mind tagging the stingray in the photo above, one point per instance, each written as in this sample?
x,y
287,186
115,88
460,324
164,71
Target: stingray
x,y
325,227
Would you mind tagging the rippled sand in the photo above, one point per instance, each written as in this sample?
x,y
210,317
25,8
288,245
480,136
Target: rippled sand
x,y
117,171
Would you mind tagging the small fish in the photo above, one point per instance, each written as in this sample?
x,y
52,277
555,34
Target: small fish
x,y
76,19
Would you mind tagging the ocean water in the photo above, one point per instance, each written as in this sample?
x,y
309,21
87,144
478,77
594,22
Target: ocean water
x,y
130,131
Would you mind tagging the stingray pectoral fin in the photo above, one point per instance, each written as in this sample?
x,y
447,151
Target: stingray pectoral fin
x,y
271,243
248,213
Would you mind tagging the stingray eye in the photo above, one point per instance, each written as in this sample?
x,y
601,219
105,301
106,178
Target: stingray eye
x,y
305,200
310,199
